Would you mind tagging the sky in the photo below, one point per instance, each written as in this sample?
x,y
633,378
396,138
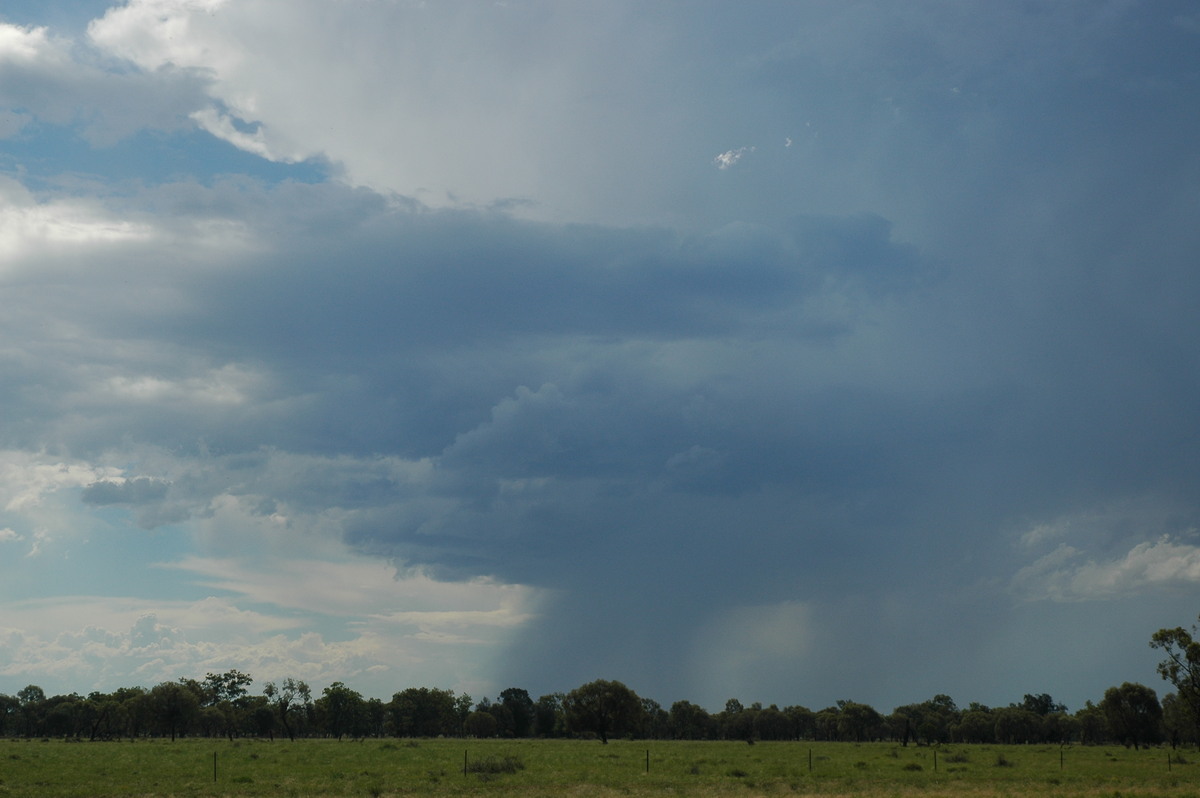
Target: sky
x,y
786,351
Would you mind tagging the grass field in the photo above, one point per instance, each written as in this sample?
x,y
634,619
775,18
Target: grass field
x,y
313,768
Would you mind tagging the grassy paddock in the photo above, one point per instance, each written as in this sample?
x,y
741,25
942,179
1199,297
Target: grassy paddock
x,y
313,768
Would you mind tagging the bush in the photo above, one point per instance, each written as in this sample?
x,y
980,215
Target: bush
x,y
494,767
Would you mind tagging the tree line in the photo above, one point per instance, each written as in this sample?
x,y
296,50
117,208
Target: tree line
x,y
222,705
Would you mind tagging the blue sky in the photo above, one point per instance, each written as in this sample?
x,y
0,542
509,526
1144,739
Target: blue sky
x,y
792,352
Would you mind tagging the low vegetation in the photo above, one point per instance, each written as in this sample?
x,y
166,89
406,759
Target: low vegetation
x,y
254,767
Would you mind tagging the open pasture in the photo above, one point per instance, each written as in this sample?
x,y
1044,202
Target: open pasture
x,y
312,768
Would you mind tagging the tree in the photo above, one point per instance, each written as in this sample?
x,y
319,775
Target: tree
x,y
976,726
655,721
1093,726
135,711
341,709
549,713
690,722
602,707
462,710
480,723
33,700
422,712
1016,725
736,722
1041,704
803,721
1181,667
518,702
174,707
857,722
1176,723
226,692
772,724
1133,713
10,709
286,698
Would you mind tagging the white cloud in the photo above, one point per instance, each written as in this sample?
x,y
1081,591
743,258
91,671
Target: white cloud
x,y
362,587
1064,574
228,385
440,101
29,228
26,45
46,78
27,478
730,158
222,126
8,536
379,632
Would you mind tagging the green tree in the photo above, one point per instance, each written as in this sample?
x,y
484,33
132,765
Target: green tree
x,y
687,721
1016,725
462,709
857,722
520,705
1092,725
655,723
481,723
341,709
825,723
226,693
1041,704
1181,667
736,722
10,712
291,695
1177,723
33,706
135,711
548,709
976,726
803,721
174,708
602,707
1133,713
424,712
772,724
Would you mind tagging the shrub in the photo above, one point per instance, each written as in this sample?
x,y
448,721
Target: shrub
x,y
494,767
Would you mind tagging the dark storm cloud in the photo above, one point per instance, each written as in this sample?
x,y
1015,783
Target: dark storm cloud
x,y
881,414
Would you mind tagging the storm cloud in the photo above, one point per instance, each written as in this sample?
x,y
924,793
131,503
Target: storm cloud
x,y
871,375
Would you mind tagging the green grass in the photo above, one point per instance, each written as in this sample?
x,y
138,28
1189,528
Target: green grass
x,y
313,768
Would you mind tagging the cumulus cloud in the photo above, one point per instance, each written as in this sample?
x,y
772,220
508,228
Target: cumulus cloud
x,y
44,80
1066,574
